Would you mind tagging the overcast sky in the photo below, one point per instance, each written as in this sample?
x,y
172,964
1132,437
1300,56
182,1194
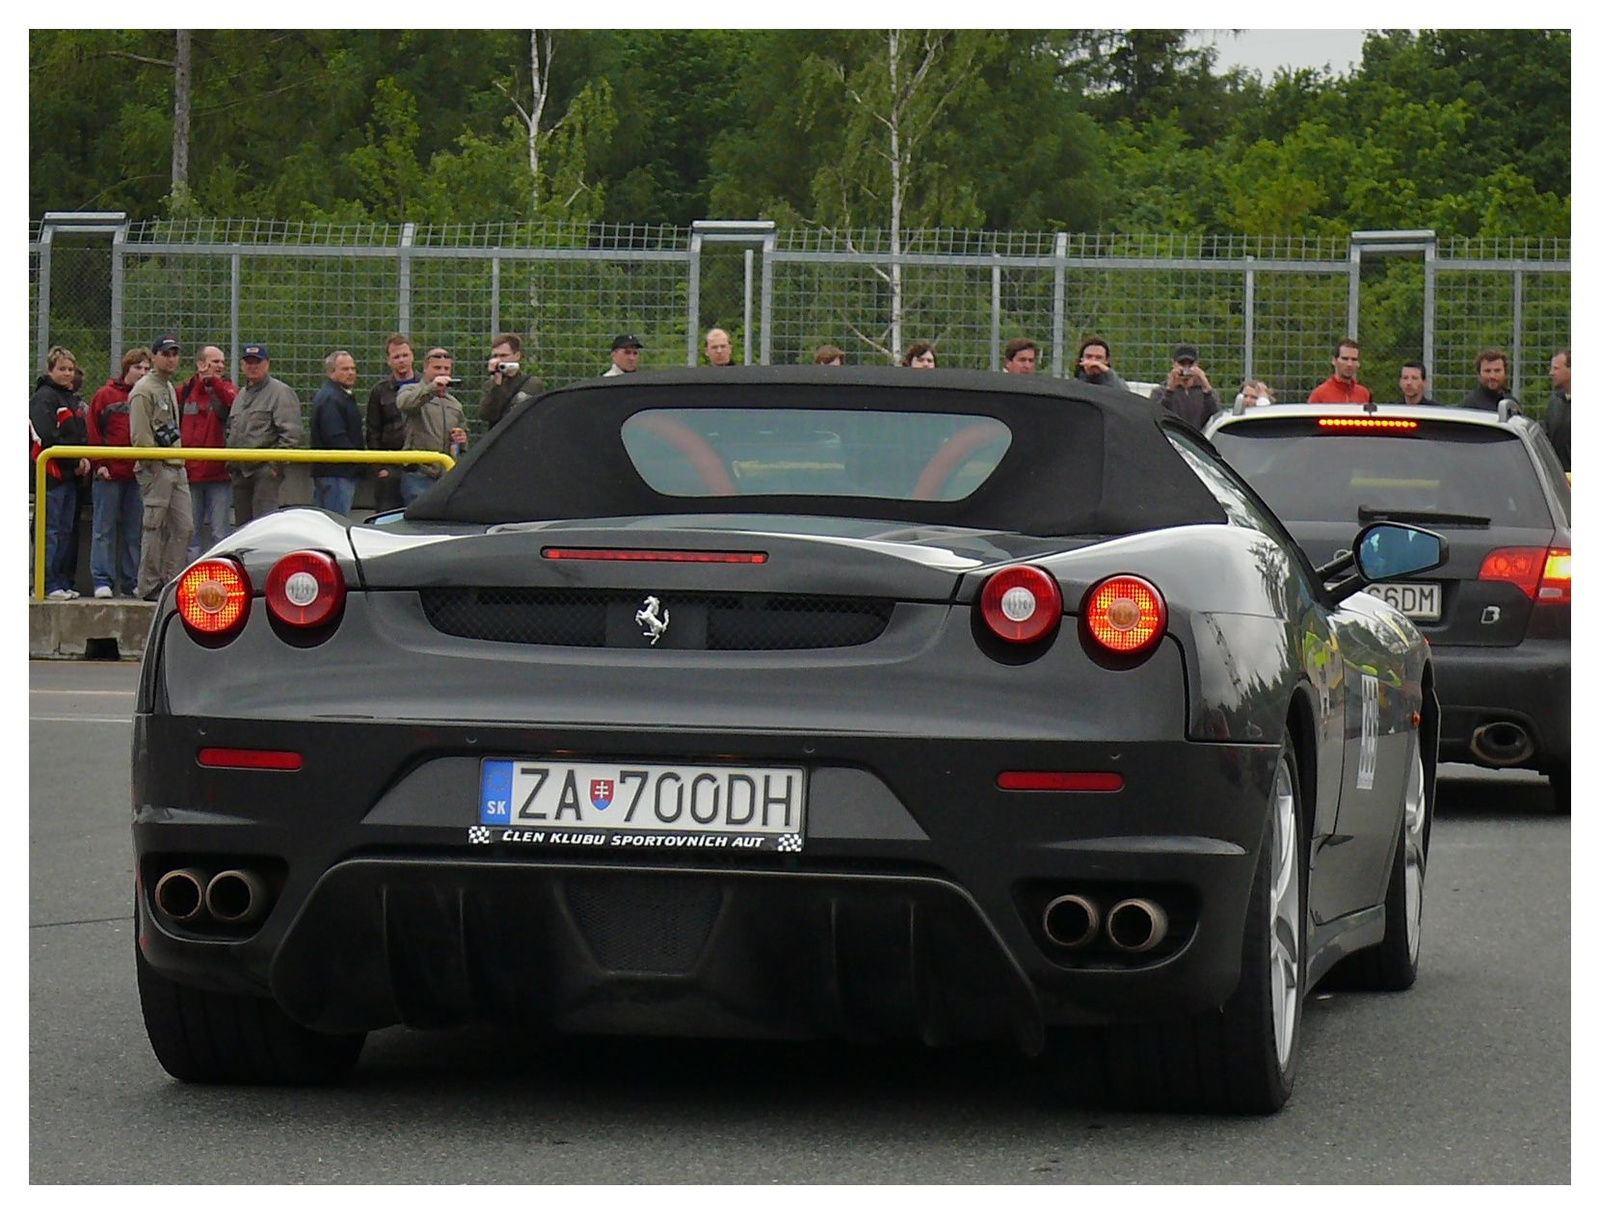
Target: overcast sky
x,y
1268,50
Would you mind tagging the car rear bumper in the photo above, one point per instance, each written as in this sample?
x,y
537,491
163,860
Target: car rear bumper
x,y
913,911
1528,686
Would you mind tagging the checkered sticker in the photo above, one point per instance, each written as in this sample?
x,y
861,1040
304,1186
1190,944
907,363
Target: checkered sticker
x,y
479,834
790,842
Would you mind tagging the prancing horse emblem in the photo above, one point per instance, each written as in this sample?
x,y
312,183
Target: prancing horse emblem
x,y
653,618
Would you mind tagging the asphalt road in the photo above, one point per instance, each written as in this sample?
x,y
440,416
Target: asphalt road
x,y
1464,1079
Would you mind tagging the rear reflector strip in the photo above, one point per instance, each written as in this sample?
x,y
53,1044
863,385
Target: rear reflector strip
x,y
654,554
1060,781
1366,423
264,760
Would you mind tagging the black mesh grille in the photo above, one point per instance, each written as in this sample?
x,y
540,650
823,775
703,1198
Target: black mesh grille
x,y
598,618
651,924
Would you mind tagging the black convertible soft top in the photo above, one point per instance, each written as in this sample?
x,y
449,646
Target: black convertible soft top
x,y
1083,460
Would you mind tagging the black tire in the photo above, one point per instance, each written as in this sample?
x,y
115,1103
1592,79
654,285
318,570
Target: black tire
x,y
1391,964
1231,1060
205,1037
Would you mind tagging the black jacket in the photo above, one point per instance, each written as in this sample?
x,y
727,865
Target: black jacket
x,y
60,418
498,399
1481,398
335,425
1558,425
386,429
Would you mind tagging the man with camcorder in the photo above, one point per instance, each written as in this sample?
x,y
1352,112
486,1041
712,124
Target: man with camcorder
x,y
508,384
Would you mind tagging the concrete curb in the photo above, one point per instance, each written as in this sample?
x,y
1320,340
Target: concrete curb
x,y
73,628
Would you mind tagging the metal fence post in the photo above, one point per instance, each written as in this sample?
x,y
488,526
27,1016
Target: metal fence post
x,y
1058,306
1516,330
1249,318
494,295
234,273
769,246
117,240
1429,257
749,280
43,321
695,244
1353,310
994,315
408,233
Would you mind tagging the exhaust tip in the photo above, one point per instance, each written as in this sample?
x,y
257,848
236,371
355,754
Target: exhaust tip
x,y
1071,921
180,894
1502,744
234,896
1136,925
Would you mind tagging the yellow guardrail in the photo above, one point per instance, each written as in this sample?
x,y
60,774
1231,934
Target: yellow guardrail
x,y
253,455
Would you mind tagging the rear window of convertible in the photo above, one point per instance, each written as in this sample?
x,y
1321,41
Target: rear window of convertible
x,y
931,457
1310,475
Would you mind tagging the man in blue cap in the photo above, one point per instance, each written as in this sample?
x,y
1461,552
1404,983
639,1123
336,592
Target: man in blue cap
x,y
266,413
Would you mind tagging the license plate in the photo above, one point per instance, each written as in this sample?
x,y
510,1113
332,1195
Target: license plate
x,y
1419,600
649,805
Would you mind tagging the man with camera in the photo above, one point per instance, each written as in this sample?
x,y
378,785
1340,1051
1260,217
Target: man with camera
x,y
1187,392
266,413
435,421
206,397
153,421
508,385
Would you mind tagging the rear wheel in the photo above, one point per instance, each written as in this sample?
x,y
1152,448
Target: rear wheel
x,y
205,1037
1241,1058
1391,964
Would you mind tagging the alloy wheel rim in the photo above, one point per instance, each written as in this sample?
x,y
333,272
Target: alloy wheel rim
x,y
1416,859
1284,958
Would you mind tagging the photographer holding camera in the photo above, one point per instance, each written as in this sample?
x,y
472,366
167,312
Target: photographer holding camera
x,y
508,385
1187,392
153,421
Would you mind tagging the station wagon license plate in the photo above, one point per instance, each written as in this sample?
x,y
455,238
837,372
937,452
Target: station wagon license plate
x,y
652,805
1419,600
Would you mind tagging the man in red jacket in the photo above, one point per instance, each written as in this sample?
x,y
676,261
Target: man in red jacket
x,y
205,400
118,512
1341,388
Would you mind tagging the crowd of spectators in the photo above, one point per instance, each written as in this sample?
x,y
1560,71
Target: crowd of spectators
x,y
151,517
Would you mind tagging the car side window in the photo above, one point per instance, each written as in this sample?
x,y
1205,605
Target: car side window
x,y
1242,506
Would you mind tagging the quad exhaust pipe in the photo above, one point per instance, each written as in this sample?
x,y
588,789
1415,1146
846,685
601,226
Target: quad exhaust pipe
x,y
1071,921
1502,744
181,895
235,896
1136,925
190,896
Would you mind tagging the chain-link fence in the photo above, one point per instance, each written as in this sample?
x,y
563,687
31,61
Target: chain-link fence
x,y
1267,308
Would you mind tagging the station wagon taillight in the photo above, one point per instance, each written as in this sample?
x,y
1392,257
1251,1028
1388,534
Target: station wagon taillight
x,y
1543,574
214,598
1125,614
1021,604
305,589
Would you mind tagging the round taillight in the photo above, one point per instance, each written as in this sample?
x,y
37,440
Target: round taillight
x,y
1125,614
1021,604
305,589
214,597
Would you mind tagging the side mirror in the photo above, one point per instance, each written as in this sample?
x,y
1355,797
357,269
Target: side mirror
x,y
1391,550
1382,551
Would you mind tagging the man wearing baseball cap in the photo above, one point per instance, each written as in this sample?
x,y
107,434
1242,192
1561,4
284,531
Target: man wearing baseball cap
x,y
1187,392
625,349
154,421
266,413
